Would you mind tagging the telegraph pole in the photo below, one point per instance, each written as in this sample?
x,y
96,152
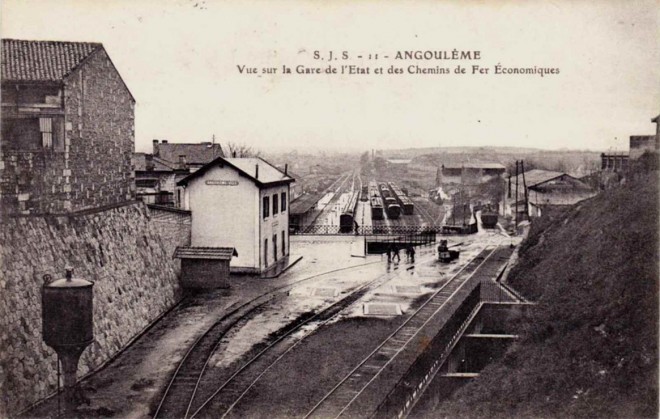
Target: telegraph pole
x,y
522,168
516,197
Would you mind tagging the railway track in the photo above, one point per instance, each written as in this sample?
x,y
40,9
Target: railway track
x,y
341,396
181,391
221,402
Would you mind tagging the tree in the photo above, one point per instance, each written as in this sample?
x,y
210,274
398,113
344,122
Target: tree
x,y
241,150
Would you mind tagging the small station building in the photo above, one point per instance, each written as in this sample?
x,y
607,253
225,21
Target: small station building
x,y
240,203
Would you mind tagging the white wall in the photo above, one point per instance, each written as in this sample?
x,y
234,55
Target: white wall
x,y
274,224
225,216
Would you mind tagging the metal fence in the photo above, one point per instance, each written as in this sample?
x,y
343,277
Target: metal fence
x,y
365,230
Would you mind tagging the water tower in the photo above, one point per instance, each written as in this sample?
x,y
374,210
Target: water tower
x,y
68,325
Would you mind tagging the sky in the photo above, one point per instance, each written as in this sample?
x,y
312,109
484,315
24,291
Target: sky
x,y
180,60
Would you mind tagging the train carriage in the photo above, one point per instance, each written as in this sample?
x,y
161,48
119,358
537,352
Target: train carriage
x,y
376,208
407,205
346,218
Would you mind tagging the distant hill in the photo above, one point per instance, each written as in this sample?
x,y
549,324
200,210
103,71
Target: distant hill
x,y
590,348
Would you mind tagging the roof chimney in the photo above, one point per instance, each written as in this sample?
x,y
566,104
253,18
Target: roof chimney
x,y
164,141
155,148
256,171
286,168
182,160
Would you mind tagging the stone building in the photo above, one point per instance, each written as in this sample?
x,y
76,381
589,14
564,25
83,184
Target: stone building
x,y
614,162
67,129
470,173
544,188
240,203
639,144
156,174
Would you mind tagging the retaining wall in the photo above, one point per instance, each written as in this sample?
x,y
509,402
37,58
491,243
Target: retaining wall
x,y
127,252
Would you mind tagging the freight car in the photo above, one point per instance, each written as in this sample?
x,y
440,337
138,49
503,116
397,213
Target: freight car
x,y
392,207
407,205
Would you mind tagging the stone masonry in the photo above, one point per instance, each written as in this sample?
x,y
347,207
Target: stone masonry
x,y
127,251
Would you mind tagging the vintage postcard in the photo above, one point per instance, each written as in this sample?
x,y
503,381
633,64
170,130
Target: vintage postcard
x,y
305,209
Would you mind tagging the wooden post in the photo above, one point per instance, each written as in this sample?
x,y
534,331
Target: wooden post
x,y
522,168
515,199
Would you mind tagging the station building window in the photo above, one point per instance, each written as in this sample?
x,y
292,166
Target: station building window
x,y
266,206
283,201
283,244
275,204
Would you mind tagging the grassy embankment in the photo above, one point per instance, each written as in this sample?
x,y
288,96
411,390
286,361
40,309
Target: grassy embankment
x,y
590,348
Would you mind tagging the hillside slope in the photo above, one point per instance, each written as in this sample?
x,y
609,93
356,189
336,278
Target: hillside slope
x,y
590,348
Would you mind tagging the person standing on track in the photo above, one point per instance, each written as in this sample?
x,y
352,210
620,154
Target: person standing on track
x,y
389,253
395,248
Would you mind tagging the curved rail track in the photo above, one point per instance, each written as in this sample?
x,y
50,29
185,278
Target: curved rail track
x,y
232,391
343,394
177,399
193,392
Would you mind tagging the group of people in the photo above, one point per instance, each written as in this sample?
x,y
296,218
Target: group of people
x,y
393,252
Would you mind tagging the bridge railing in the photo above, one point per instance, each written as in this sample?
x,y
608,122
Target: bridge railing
x,y
364,230
380,230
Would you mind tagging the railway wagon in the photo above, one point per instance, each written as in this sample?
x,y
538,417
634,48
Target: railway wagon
x,y
385,191
364,194
373,190
407,205
392,207
376,208
347,215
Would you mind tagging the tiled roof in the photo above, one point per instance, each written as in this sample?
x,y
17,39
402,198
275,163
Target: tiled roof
x,y
221,253
42,60
267,172
196,153
246,166
139,161
536,176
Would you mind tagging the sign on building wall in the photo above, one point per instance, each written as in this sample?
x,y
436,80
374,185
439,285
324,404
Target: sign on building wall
x,y
222,182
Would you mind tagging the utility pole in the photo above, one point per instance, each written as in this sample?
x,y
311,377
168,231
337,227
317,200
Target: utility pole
x,y
515,199
522,168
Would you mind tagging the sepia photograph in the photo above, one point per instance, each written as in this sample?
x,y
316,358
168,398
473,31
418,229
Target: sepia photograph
x,y
351,209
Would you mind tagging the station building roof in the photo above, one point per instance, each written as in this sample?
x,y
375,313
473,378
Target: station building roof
x,y
256,169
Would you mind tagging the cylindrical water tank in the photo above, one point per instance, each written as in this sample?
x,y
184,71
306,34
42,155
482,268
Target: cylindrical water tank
x,y
67,312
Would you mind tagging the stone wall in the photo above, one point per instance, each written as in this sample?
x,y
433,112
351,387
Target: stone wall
x,y
99,134
89,165
127,252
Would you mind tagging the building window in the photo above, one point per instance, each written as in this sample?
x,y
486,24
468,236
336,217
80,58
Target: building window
x,y
266,205
275,204
283,244
46,129
283,201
